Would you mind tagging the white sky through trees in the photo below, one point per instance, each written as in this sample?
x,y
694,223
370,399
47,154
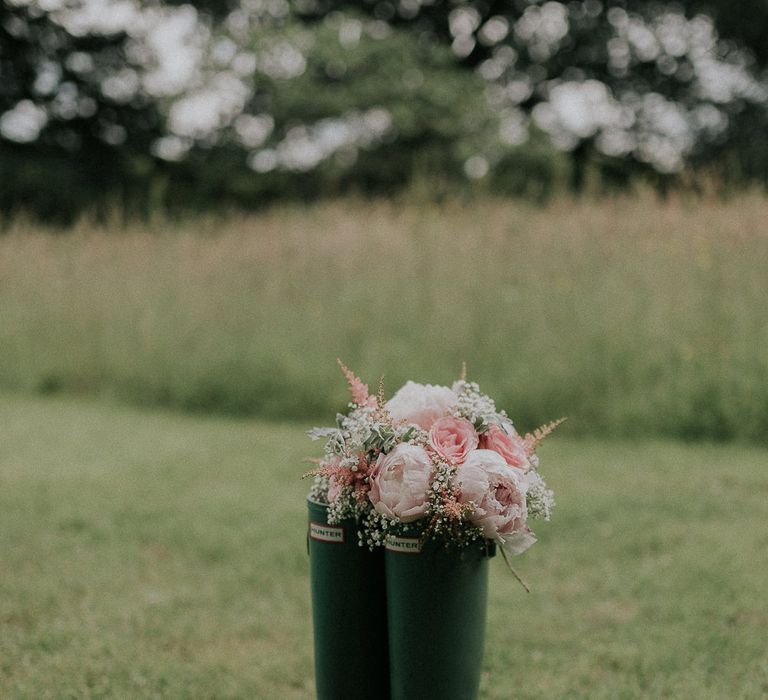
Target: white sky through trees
x,y
204,76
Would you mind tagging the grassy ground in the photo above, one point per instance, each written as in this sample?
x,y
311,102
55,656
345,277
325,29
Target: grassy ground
x,y
148,555
630,316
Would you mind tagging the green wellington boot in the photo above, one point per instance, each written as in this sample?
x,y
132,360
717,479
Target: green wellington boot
x,y
349,612
436,604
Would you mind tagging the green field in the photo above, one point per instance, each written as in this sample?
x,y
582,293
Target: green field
x,y
633,316
152,555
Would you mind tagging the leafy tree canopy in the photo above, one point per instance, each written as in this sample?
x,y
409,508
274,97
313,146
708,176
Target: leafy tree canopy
x,y
170,104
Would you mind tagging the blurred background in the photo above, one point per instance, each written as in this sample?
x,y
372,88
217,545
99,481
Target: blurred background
x,y
164,106
203,205
568,196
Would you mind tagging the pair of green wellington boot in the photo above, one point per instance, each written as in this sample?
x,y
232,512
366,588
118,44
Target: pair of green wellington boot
x,y
402,623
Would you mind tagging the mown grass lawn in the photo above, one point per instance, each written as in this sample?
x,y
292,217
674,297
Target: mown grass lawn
x,y
148,554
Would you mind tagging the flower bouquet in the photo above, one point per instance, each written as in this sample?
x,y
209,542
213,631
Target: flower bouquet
x,y
437,479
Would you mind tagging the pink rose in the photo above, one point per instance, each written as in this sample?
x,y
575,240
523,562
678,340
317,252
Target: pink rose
x,y
453,438
498,494
508,444
421,404
400,482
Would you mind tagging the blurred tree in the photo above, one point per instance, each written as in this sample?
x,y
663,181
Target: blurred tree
x,y
161,104
677,92
69,131
370,111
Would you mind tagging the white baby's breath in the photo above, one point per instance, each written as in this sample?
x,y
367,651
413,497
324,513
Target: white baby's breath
x,y
540,500
477,407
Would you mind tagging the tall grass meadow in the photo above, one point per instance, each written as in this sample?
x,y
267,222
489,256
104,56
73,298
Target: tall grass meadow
x,y
630,316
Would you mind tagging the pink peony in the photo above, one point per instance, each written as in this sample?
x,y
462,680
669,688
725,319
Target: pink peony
x,y
508,444
453,438
498,494
400,481
421,404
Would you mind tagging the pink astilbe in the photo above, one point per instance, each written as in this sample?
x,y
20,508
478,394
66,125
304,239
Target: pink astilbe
x,y
360,395
362,481
448,514
343,476
452,508
331,470
534,439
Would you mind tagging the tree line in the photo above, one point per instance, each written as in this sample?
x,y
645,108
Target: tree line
x,y
147,106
